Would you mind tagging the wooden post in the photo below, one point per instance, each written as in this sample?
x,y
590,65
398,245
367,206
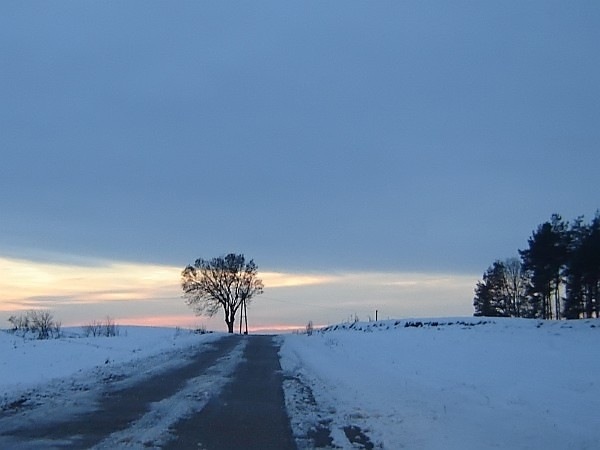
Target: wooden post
x,y
246,316
376,315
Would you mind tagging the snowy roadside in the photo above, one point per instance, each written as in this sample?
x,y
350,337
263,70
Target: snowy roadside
x,y
445,384
32,369
78,392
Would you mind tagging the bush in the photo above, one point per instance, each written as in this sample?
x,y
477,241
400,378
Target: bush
x,y
19,323
38,322
201,330
110,327
92,329
106,328
309,328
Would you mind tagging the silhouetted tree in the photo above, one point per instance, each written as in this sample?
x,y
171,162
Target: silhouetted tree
x,y
575,304
491,298
544,261
40,322
562,258
582,273
515,284
226,282
502,292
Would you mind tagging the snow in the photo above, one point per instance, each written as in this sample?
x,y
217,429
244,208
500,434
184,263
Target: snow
x,y
28,363
65,378
154,426
450,384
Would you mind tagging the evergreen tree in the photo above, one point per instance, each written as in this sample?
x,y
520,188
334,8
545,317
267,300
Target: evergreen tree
x,y
491,299
560,257
582,272
574,306
544,260
502,292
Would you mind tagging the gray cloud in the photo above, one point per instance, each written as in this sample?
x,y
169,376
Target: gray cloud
x,y
316,135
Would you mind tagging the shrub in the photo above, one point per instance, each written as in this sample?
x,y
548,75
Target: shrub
x,y
42,323
38,322
110,327
201,329
95,328
19,323
309,328
92,329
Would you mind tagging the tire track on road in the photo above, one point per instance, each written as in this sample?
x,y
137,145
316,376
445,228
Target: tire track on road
x,y
249,413
116,410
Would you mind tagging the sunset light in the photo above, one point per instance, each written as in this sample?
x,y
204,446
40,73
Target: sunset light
x,y
147,294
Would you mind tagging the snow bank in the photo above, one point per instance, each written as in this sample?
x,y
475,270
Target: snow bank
x,y
451,383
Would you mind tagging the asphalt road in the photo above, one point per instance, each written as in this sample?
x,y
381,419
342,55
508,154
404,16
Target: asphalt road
x,y
246,412
249,413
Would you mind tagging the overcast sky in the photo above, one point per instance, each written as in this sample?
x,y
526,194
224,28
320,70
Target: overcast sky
x,y
316,137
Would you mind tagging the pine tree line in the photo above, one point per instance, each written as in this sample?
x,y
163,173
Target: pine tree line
x,y
556,277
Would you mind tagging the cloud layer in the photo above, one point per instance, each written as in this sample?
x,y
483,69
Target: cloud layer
x,y
151,294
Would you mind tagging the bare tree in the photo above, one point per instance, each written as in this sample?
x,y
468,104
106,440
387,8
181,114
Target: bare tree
x,y
107,328
36,321
226,282
515,283
92,329
42,323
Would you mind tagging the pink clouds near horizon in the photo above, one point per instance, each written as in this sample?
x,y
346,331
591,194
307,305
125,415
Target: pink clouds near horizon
x,y
147,294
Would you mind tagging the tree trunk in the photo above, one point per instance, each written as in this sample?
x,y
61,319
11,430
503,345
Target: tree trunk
x,y
230,320
596,301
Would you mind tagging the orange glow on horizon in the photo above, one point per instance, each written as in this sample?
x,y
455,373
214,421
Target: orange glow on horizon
x,y
150,295
27,280
189,322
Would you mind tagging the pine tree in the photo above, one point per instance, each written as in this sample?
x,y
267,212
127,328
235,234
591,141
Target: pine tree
x,y
560,257
544,260
491,299
582,273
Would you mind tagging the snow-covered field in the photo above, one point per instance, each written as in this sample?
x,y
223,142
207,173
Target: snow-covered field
x,y
435,384
27,364
454,384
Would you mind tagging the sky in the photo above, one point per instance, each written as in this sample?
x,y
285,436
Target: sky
x,y
376,155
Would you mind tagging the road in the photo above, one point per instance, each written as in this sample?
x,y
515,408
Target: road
x,y
249,413
226,395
